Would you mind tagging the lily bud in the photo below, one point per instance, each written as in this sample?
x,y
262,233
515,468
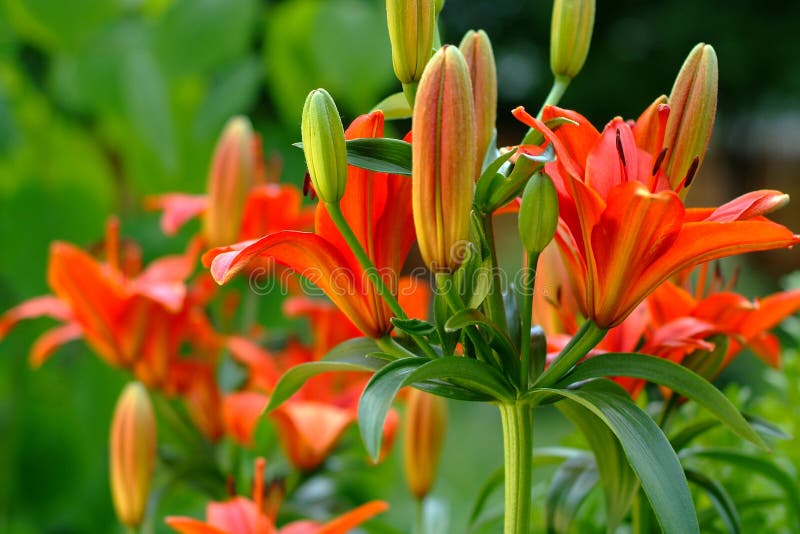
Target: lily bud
x,y
424,432
538,213
439,6
324,145
132,451
570,36
693,105
231,177
477,51
443,152
411,29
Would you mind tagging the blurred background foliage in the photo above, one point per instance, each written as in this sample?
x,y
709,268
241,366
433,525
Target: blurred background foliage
x,y
104,101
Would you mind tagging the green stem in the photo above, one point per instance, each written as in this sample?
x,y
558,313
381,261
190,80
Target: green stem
x,y
641,515
526,317
446,284
335,211
410,90
495,308
579,346
558,89
390,346
517,422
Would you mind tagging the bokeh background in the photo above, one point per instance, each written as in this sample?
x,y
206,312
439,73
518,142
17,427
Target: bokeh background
x,y
105,101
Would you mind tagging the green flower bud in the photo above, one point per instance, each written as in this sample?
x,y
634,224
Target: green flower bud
x,y
411,29
477,51
692,108
324,146
570,36
538,214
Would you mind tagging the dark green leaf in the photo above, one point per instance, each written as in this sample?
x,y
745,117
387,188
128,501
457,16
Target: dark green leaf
x,y
765,428
684,436
647,449
671,375
499,340
413,326
352,355
571,484
378,154
719,498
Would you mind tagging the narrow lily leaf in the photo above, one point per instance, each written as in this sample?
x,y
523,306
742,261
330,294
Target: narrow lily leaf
x,y
452,391
352,355
499,341
441,313
380,154
394,107
413,326
686,435
648,451
619,482
377,399
719,497
571,484
765,428
464,373
758,464
671,375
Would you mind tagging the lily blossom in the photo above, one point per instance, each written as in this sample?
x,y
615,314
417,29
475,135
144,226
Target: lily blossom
x,y
240,515
377,207
623,228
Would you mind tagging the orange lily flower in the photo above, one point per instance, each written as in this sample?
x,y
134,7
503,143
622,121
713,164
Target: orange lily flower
x,y
623,229
378,208
132,320
240,515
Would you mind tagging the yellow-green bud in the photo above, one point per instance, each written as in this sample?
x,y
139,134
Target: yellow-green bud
x,y
571,34
424,433
477,51
538,214
443,152
439,6
411,29
229,181
324,146
132,452
692,108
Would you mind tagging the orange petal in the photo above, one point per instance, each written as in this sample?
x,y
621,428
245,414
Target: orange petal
x,y
749,206
650,126
310,430
344,523
273,207
240,414
178,209
44,306
578,139
188,525
53,339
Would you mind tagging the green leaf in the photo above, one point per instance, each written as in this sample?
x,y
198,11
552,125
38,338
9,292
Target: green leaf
x,y
413,326
381,154
377,399
352,355
465,373
648,451
684,436
571,484
394,107
765,428
671,375
750,462
719,498
499,341
619,482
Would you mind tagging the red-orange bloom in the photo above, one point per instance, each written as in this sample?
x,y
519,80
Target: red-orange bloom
x,y
623,229
240,515
378,208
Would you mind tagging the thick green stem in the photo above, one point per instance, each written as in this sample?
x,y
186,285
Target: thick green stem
x,y
579,346
526,317
517,422
496,309
560,85
335,211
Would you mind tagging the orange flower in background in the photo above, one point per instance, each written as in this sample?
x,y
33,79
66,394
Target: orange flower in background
x,y
240,515
377,207
139,321
623,229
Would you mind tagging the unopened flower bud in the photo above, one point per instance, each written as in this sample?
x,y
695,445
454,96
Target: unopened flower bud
x,y
411,29
324,146
132,451
230,179
571,34
477,51
693,105
443,154
424,432
439,6
538,213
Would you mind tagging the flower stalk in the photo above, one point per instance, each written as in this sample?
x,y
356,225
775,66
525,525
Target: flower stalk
x,y
517,421
579,346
